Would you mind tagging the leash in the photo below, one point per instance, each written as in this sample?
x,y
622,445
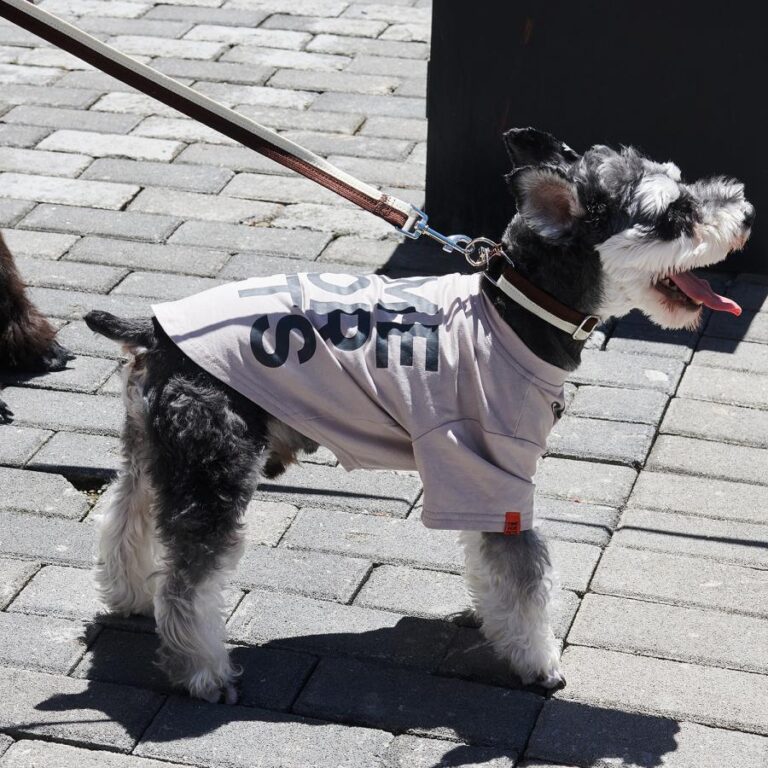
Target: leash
x,y
406,218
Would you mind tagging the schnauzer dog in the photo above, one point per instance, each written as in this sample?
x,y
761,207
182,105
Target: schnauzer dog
x,y
222,384
27,339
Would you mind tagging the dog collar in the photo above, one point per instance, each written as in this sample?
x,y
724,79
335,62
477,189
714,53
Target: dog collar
x,y
540,303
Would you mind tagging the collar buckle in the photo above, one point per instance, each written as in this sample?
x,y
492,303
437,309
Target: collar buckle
x,y
585,328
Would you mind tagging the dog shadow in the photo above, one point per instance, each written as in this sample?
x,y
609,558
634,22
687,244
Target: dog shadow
x,y
342,677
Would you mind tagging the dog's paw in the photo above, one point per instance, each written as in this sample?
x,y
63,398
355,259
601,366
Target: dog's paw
x,y
230,694
6,414
55,358
551,681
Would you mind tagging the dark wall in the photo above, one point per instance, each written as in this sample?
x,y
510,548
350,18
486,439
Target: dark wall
x,y
683,81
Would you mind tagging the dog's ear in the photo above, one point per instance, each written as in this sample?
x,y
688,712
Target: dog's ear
x,y
529,146
546,200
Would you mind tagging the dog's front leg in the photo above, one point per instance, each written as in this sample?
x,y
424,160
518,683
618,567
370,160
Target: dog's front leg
x,y
510,580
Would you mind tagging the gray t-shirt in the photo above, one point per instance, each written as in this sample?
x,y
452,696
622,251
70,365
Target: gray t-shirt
x,y
415,373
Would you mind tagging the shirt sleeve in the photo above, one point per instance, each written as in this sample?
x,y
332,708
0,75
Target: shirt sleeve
x,y
476,480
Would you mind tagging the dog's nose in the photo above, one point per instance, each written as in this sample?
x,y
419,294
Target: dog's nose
x,y
749,215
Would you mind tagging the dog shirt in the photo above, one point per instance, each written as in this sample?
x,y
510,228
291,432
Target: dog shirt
x,y
414,373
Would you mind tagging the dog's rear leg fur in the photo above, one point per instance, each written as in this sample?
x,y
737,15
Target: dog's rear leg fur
x,y
509,579
204,476
126,543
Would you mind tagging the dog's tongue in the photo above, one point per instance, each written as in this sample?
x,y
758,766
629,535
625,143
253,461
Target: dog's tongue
x,y
700,290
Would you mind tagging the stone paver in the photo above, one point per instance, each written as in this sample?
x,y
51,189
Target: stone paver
x,y
585,481
732,355
672,632
79,455
667,688
615,369
49,539
14,574
643,406
18,444
731,387
416,752
40,493
30,753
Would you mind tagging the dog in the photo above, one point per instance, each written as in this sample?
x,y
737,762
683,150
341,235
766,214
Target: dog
x,y
27,339
603,232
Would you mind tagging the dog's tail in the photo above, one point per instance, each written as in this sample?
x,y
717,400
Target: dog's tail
x,y
133,333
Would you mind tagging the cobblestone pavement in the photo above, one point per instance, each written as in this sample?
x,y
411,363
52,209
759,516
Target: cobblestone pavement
x,y
654,493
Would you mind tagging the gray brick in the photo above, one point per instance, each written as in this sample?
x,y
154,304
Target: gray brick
x,y
381,171
63,274
730,387
40,493
614,441
60,95
416,752
306,7
266,522
671,632
240,737
240,18
116,8
83,374
244,265
332,218
92,81
701,497
359,252
41,245
32,754
45,644
407,32
78,708
383,493
28,161
750,292
47,539
682,580
715,421
643,406
51,189
221,71
262,38
732,355
738,543
580,734
18,444
414,592
618,370
318,626
5,743
78,455
388,65
391,106
333,81
236,158
419,704
179,129
329,577
10,34
355,146
231,94
146,28
14,574
120,102
22,135
683,691
295,120
573,521
749,326
317,25
77,337
271,57
238,237
161,46
382,539
395,127
573,563
113,386
65,410
350,45
193,178
278,189
390,13
163,287
187,259
271,678
631,339
190,205
53,117
709,459
112,145
12,210
585,481
13,74
127,224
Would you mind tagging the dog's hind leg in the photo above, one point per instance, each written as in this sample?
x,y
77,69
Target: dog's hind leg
x,y
127,552
204,477
510,582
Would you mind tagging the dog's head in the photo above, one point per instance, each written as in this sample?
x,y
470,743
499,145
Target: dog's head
x,y
648,227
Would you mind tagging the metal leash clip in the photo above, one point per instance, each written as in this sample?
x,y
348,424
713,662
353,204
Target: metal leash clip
x,y
475,250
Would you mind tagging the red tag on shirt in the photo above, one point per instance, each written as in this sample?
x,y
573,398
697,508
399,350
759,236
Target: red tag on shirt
x,y
512,524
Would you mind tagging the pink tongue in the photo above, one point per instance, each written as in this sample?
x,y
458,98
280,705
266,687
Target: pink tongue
x,y
699,290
